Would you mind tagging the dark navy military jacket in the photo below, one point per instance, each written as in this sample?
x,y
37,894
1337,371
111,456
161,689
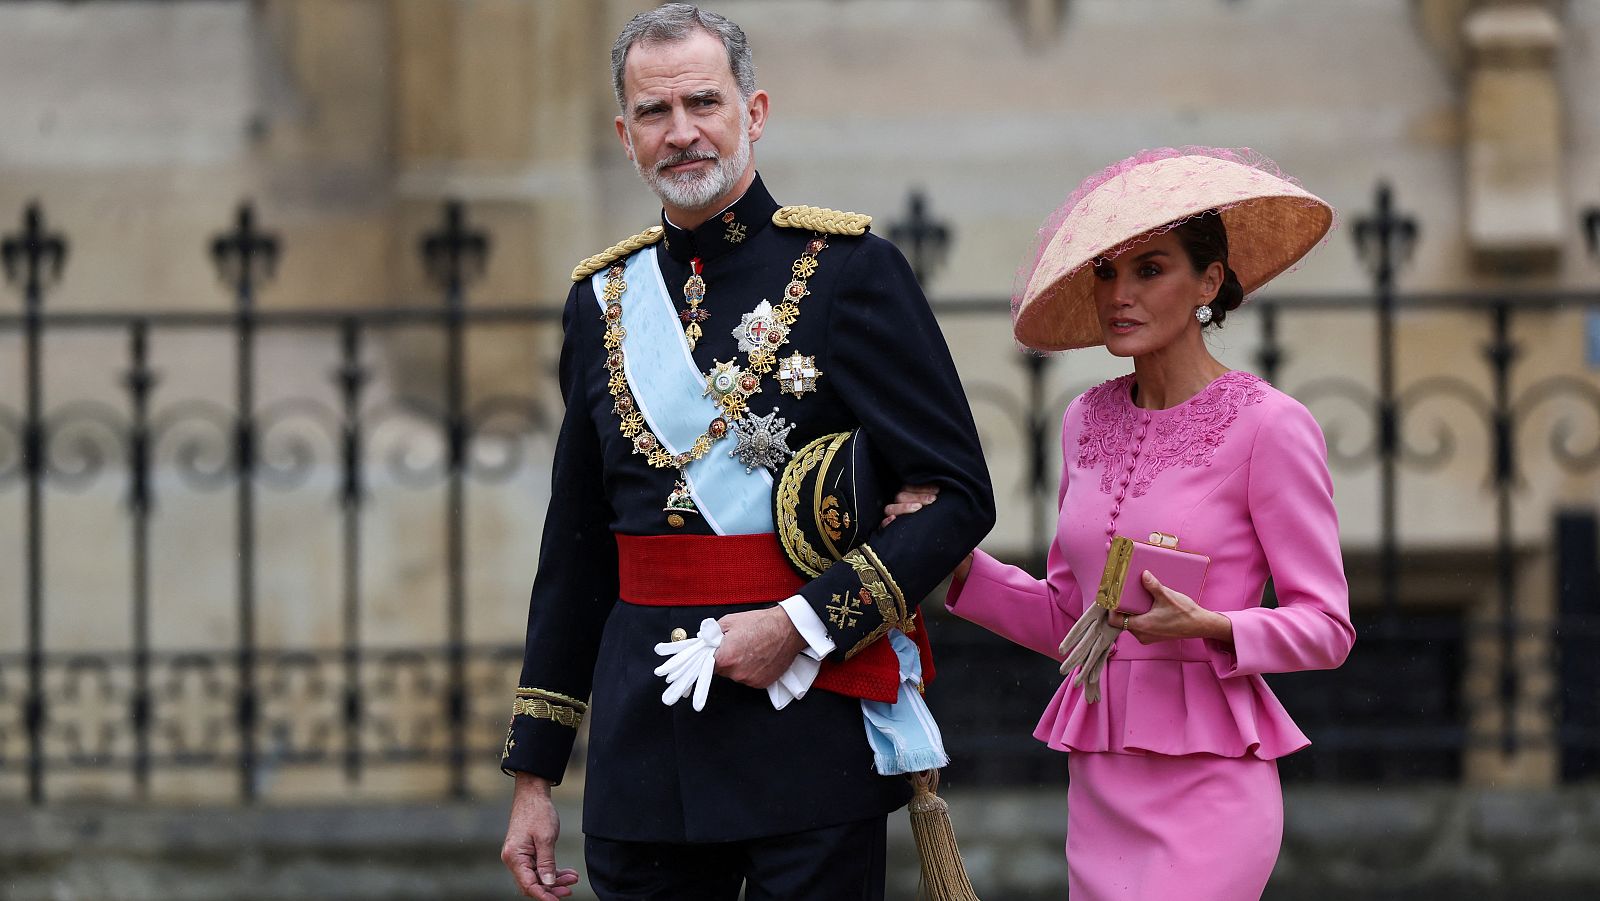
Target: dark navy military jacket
x,y
738,769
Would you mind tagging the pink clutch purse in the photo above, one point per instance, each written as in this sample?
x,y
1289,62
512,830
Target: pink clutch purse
x,y
1121,586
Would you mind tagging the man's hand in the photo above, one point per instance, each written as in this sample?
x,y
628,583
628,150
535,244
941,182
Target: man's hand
x,y
758,646
530,848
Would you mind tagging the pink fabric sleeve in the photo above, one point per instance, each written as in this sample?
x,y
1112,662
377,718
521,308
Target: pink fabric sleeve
x,y
1291,506
1009,602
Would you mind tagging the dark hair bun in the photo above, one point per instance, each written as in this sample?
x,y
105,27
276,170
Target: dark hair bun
x,y
1229,296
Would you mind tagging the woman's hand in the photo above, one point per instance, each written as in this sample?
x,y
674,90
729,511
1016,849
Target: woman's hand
x,y
1175,615
910,499
962,568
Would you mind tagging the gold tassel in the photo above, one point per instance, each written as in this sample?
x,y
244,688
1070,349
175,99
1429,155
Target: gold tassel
x,y
944,876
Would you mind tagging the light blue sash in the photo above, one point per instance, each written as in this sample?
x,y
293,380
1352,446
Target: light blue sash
x,y
670,391
903,736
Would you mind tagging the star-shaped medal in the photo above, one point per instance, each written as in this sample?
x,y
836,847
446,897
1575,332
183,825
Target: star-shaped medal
x,y
763,441
798,374
722,379
754,327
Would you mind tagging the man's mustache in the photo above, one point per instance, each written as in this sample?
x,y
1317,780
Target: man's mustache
x,y
687,156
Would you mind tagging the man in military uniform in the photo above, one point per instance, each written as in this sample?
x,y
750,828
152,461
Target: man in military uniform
x,y
698,355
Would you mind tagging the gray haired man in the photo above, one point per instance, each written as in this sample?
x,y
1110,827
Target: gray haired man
x,y
730,672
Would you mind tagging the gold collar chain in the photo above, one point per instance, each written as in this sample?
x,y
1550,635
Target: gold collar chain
x,y
735,402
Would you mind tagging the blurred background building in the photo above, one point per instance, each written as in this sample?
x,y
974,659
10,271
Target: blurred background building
x,y
277,344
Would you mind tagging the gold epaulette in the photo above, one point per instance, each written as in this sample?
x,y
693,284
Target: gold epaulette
x,y
822,219
616,252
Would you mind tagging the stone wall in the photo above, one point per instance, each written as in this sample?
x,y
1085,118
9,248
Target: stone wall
x,y
140,125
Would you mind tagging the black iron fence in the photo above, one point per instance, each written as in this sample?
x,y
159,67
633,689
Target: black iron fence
x,y
352,698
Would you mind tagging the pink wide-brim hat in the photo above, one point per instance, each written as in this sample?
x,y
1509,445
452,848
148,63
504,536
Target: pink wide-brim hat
x,y
1271,222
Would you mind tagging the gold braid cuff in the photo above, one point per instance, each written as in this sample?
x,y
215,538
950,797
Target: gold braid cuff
x,y
880,589
616,252
554,697
822,219
539,708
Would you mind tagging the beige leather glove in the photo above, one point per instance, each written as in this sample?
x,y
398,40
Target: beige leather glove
x,y
1086,647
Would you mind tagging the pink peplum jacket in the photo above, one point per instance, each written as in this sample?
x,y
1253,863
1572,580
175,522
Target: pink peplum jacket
x,y
1239,473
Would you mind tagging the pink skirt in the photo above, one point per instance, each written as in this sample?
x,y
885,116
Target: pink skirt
x,y
1153,828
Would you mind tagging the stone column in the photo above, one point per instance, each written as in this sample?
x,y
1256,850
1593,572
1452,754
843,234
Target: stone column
x,y
498,105
1536,760
1516,216
322,156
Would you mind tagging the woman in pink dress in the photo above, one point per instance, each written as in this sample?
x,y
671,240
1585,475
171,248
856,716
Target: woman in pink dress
x,y
1172,734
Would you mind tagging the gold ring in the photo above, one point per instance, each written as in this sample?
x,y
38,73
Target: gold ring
x,y
1124,622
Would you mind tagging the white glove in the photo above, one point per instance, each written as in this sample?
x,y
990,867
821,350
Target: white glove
x,y
795,681
690,664
1086,647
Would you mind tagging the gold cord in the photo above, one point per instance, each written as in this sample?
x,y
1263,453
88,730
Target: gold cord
x,y
822,219
616,252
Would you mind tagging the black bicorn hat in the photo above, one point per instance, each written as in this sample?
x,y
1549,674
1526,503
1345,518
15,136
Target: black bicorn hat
x,y
827,501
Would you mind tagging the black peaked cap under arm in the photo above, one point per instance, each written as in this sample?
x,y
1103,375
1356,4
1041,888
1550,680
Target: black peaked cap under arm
x,y
889,361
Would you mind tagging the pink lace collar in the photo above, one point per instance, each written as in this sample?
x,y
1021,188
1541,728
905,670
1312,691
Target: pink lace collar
x,y
1186,435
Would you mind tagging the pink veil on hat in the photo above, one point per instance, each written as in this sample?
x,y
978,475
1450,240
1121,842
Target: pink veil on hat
x,y
1272,223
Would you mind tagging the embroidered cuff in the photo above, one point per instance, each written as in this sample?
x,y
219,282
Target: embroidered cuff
x,y
549,705
878,601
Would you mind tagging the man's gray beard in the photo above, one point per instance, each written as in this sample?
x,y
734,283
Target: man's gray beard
x,y
696,191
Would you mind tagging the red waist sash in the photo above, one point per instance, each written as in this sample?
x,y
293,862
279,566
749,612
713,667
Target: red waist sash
x,y
702,570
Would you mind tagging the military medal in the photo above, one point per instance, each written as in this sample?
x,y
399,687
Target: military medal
x,y
798,374
680,503
759,330
694,291
724,378
763,441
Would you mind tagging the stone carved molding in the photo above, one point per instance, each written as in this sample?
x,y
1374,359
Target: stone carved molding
x,y
1512,107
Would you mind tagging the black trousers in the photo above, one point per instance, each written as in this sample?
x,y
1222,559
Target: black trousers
x,y
837,863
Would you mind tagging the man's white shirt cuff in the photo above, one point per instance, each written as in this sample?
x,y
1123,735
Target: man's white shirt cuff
x,y
810,626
